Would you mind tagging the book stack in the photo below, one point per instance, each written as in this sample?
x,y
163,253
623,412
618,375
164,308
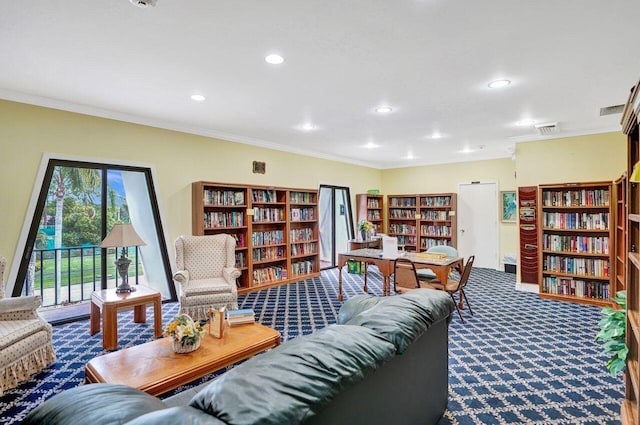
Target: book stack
x,y
240,317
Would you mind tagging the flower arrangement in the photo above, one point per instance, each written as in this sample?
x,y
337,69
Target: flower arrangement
x,y
184,330
365,226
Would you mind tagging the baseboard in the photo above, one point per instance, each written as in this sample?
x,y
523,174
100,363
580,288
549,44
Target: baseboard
x,y
527,287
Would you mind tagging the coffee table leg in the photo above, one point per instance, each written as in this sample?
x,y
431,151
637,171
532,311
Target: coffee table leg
x,y
94,322
140,313
109,328
157,316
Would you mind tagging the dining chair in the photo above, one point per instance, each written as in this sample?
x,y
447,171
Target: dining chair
x,y
453,286
427,275
405,277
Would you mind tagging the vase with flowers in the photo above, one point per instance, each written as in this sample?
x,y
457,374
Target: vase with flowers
x,y
365,227
185,333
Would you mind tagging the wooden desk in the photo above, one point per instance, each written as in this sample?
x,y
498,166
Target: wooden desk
x,y
107,302
441,267
369,243
153,367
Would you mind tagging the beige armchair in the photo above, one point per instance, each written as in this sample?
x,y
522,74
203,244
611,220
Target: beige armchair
x,y
206,274
25,338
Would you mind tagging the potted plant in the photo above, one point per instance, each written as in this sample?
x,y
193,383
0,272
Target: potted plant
x,y
365,227
612,333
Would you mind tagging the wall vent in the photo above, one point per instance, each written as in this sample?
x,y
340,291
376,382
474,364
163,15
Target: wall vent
x,y
547,129
610,110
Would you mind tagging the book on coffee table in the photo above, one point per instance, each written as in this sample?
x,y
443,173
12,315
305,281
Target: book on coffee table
x,y
240,317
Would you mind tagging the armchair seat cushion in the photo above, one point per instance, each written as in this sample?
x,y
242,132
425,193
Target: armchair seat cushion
x,y
214,285
15,330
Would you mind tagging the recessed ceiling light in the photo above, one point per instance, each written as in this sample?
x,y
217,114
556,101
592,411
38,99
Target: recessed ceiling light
x,y
410,156
197,97
526,123
307,127
274,59
383,109
466,150
436,135
371,145
498,83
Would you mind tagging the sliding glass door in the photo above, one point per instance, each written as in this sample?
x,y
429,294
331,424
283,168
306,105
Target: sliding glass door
x,y
336,227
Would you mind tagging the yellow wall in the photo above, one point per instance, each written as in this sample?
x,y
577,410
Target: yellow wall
x,y
26,132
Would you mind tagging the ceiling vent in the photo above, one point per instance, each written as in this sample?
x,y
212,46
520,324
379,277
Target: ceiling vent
x,y
547,129
143,4
611,110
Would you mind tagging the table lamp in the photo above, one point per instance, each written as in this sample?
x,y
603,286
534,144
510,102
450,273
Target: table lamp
x,y
123,235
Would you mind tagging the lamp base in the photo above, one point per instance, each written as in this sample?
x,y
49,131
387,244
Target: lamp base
x,y
122,264
125,289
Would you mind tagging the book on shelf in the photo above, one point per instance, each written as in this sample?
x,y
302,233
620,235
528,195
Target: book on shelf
x,y
241,317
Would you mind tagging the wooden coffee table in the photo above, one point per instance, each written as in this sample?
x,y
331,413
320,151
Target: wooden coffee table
x,y
153,367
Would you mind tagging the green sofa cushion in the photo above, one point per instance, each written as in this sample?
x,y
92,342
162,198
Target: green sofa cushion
x,y
401,318
295,380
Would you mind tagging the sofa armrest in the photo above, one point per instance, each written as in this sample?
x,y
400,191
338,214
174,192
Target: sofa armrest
x,y
24,306
230,274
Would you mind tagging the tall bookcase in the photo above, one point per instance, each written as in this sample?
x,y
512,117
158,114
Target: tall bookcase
x,y
423,220
621,233
276,230
631,404
576,234
371,207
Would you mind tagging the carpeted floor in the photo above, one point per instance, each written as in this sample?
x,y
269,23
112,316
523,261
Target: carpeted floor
x,y
519,359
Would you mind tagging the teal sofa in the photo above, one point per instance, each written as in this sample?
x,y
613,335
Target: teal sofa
x,y
385,361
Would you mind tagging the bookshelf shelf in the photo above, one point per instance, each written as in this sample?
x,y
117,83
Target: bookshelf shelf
x,y
631,267
423,220
270,225
576,260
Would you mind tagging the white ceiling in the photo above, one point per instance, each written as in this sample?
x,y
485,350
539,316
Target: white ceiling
x,y
430,60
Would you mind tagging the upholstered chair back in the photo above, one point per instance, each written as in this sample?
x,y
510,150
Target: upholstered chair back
x,y
205,256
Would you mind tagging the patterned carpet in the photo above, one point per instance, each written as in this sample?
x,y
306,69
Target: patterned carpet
x,y
518,360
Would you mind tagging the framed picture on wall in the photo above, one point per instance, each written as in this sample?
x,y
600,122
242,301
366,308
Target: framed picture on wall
x,y
508,206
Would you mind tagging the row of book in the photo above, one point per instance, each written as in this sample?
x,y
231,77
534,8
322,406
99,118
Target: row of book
x,y
435,230
576,198
577,244
223,219
374,215
403,229
268,253
575,287
240,240
302,267
261,195
269,274
302,197
402,214
435,201
373,203
306,248
267,238
402,202
435,215
262,215
577,221
406,240
301,235
303,214
426,243
241,317
223,197
583,266
241,259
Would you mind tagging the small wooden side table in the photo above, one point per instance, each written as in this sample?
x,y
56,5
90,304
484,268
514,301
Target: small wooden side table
x,y
106,302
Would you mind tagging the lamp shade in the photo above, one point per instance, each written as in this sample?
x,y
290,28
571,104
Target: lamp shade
x,y
635,174
122,235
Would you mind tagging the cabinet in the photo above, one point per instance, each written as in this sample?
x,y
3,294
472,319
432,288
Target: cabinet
x,y
276,230
576,234
371,207
629,408
423,220
527,223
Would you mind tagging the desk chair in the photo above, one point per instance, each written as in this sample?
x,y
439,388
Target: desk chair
x,y
405,277
453,286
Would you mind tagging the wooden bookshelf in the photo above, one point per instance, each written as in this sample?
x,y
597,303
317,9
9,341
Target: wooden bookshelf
x,y
371,207
423,220
576,242
629,409
276,230
620,253
528,228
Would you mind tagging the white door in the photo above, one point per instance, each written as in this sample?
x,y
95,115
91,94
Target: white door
x,y
478,223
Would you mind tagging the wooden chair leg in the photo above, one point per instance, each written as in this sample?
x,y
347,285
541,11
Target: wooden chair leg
x,y
457,308
467,300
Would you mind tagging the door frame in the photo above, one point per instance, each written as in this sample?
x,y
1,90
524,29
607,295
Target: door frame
x,y
497,235
348,213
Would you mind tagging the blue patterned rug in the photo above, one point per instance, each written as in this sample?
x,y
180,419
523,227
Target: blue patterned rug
x,y
519,359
